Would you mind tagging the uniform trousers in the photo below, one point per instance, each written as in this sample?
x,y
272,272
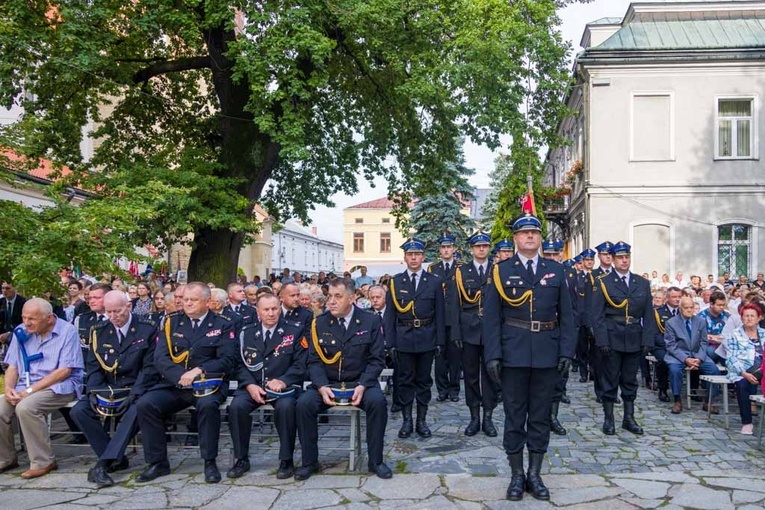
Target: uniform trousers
x,y
240,423
479,389
448,368
583,352
414,379
527,394
618,371
560,388
107,448
662,370
310,404
31,412
158,404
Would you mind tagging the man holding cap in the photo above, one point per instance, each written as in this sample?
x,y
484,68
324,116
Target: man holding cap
x,y
528,335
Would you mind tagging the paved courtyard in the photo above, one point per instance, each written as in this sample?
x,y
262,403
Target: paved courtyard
x,y
682,462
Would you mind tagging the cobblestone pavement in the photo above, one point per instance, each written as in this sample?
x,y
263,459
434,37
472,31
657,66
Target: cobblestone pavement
x,y
683,461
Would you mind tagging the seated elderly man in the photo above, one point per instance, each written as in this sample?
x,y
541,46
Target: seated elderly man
x,y
44,373
685,337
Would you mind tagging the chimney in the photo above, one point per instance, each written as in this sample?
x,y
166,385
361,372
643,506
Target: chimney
x,y
315,231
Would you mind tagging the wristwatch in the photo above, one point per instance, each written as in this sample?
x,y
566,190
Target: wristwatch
x,y
29,390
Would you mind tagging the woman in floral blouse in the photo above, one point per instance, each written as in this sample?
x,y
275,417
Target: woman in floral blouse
x,y
745,352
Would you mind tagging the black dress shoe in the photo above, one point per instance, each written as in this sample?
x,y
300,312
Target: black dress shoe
x,y
395,408
381,470
441,398
212,474
286,469
599,400
564,399
663,396
154,471
583,378
305,472
123,464
241,466
454,398
98,476
191,440
78,439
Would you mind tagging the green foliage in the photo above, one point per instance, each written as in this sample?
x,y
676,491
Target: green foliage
x,y
198,116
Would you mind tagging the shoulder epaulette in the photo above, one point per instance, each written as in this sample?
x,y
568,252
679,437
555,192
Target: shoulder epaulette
x,y
101,324
147,320
174,314
224,317
601,276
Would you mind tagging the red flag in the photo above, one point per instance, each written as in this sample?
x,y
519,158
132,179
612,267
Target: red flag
x,y
527,204
133,268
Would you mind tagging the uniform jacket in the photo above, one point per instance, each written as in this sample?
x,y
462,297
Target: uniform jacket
x,y
661,315
549,301
84,322
468,317
588,282
439,269
428,305
361,344
283,357
15,313
300,317
576,292
608,322
134,356
679,346
245,315
212,348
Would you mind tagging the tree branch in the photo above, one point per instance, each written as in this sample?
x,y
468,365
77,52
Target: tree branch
x,y
171,66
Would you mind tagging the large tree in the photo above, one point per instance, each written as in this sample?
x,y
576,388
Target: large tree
x,y
202,108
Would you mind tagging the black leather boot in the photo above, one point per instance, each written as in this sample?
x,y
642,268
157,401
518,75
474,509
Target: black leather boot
x,y
488,424
555,425
628,422
407,427
475,421
609,428
517,479
421,425
534,483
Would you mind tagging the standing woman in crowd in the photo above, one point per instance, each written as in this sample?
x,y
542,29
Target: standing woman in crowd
x,y
142,303
744,358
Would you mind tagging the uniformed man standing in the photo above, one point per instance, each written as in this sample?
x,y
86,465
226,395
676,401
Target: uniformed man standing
x,y
504,250
449,364
466,305
585,347
624,326
272,356
345,352
415,330
121,357
193,346
528,335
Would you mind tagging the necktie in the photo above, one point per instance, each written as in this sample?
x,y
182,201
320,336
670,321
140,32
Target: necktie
x,y
481,273
101,318
341,320
674,312
194,325
447,267
688,328
268,336
530,268
624,279
414,282
120,335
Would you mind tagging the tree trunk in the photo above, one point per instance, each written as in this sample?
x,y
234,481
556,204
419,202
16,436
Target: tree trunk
x,y
215,256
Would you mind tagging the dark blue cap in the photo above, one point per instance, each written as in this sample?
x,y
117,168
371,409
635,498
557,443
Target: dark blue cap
x,y
569,263
550,246
604,247
504,244
446,240
413,245
527,222
621,248
479,238
589,253
578,258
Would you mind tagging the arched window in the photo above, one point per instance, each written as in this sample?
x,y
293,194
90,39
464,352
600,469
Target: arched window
x,y
733,249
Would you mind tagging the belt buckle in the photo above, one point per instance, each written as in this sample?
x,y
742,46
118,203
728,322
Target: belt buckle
x,y
536,326
630,320
416,323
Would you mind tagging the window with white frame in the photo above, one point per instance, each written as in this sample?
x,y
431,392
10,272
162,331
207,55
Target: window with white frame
x,y
735,128
733,249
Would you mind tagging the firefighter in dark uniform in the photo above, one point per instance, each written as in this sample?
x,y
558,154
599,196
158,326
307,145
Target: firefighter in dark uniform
x,y
292,311
625,326
415,332
585,347
449,364
503,250
195,355
272,357
529,343
662,314
466,305
346,352
605,260
120,369
240,313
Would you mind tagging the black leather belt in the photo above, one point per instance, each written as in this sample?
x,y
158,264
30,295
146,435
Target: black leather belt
x,y
621,319
417,323
532,325
475,311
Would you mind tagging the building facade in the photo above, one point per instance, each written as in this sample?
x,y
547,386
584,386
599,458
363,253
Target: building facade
x,y
665,146
371,238
299,248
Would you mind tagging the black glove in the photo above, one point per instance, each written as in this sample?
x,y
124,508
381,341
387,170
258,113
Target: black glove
x,y
564,365
605,351
494,370
393,355
458,343
647,351
440,351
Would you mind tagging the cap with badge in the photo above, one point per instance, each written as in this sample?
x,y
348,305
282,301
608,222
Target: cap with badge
x,y
569,262
621,248
479,238
604,247
446,240
549,247
578,258
589,253
413,245
527,222
504,244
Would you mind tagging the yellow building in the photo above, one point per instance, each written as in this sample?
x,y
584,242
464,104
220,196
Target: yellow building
x,y
371,239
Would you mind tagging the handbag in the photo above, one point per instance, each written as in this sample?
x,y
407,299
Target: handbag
x,y
756,368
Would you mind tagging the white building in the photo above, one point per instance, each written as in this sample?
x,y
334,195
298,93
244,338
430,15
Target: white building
x,y
665,146
301,249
